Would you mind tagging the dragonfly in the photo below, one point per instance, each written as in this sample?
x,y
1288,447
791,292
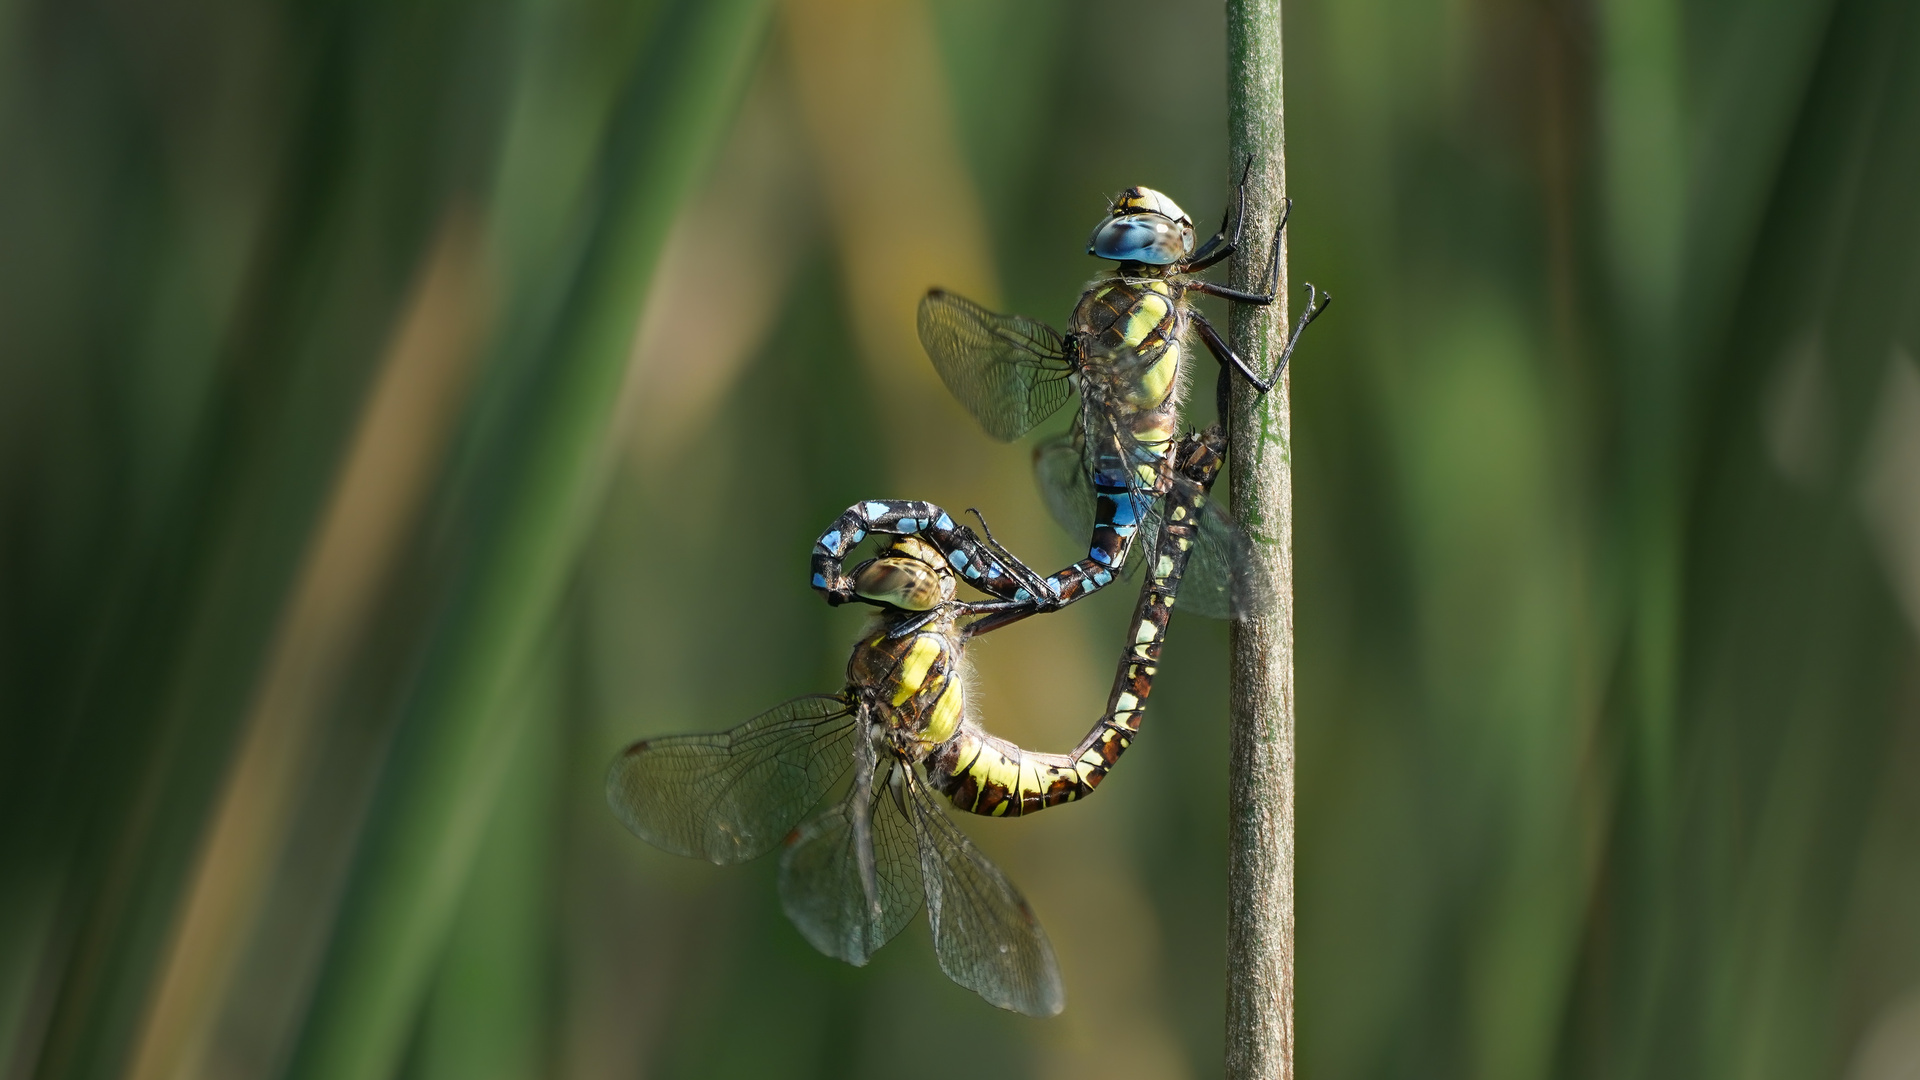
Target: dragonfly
x,y
1124,353
899,734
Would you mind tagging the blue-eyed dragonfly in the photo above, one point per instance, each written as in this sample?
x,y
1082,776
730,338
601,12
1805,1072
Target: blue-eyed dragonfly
x,y
854,874
1124,353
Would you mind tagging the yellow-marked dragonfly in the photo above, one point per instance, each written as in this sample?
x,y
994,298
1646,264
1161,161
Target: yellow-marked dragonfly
x,y
854,874
1124,353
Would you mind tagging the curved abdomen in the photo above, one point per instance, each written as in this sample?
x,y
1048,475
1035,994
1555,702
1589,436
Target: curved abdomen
x,y
985,774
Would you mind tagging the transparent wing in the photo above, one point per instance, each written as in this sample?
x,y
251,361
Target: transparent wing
x,y
1216,584
984,934
820,874
1219,583
1008,370
1061,473
732,796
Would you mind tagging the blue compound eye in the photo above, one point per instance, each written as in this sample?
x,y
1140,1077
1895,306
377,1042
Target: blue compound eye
x,y
1142,238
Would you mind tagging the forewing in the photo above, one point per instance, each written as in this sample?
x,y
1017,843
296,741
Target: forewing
x,y
985,935
732,796
820,887
1008,370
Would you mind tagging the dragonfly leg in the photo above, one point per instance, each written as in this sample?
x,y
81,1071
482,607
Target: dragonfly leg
x,y
1217,345
1273,265
1241,296
998,617
1219,246
1027,575
911,625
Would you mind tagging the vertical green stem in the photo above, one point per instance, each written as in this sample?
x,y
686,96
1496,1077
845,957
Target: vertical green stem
x,y
1260,829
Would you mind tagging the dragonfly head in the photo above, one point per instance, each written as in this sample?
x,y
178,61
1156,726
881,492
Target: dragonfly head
x,y
910,575
1143,226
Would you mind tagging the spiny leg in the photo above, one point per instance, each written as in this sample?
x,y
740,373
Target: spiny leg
x,y
1273,270
1212,252
1217,345
1021,570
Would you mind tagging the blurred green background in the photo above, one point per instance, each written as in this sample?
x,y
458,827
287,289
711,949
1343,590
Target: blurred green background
x,y
403,405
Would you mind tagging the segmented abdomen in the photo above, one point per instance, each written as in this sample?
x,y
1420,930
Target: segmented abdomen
x,y
985,774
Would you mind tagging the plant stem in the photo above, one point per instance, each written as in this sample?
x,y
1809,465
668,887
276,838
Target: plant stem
x,y
1260,828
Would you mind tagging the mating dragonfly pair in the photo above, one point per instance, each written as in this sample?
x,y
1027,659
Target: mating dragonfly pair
x,y
854,874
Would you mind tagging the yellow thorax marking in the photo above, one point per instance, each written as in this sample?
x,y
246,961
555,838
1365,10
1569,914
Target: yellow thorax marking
x,y
944,718
1148,312
1158,379
913,667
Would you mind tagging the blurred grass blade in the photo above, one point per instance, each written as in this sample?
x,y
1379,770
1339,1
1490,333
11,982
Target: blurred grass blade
x,y
541,475
388,469
243,328
489,1007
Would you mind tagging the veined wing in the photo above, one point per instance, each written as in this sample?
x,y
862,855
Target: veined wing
x,y
821,872
985,935
1008,370
1061,473
1216,583
732,796
1219,582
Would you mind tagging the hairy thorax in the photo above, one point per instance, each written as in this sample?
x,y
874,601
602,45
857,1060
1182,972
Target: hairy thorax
x,y
913,685
1130,330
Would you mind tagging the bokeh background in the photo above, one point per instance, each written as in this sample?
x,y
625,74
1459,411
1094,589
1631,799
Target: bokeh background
x,y
405,404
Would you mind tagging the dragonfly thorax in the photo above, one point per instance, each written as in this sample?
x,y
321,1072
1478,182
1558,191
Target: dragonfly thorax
x,y
912,684
1130,334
